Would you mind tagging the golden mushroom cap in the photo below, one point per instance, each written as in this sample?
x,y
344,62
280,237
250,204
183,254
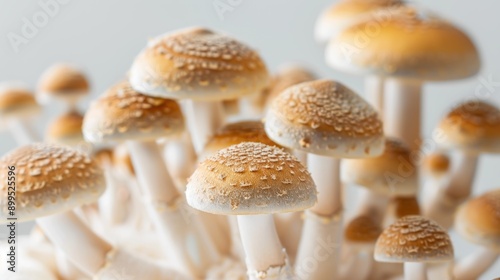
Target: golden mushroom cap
x,y
49,179
250,178
478,220
326,118
62,81
473,126
16,102
405,43
362,231
125,114
437,164
198,63
66,129
414,239
405,206
392,173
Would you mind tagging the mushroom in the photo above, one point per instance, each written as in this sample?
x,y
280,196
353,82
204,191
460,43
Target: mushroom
x,y
66,129
391,174
62,82
343,15
253,181
328,121
401,206
203,68
477,220
436,164
414,241
427,49
123,114
471,128
17,106
360,236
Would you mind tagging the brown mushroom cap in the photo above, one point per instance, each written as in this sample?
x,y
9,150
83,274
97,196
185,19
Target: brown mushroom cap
x,y
345,13
17,102
49,179
437,164
473,126
63,79
125,114
326,118
478,220
406,43
414,239
122,159
250,178
197,63
405,206
392,173
66,129
362,230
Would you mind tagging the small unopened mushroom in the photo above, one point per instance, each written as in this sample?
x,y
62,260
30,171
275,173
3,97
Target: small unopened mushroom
x,y
253,181
472,128
328,121
414,241
62,82
478,221
203,68
17,107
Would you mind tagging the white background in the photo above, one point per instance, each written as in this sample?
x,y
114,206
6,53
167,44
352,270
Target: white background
x,y
104,36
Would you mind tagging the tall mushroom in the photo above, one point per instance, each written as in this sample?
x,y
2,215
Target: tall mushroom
x,y
328,121
414,241
123,114
477,220
427,49
471,128
203,68
253,181
63,82
17,106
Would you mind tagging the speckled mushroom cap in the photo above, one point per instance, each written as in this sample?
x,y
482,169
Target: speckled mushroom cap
x,y
392,173
405,43
62,81
362,231
436,164
473,126
125,114
346,13
250,178
66,129
326,118
49,179
16,102
236,133
414,239
286,77
197,63
478,220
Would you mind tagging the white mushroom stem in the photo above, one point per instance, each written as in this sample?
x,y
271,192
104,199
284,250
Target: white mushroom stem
x,y
402,110
112,203
474,265
66,268
374,88
181,231
203,120
441,207
372,204
289,228
180,159
326,176
358,266
319,250
237,250
301,156
82,246
415,271
23,132
264,253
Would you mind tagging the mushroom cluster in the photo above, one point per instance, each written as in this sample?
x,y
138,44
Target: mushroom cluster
x,y
200,164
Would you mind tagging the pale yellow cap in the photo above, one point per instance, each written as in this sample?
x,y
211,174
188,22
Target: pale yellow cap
x,y
62,81
16,102
66,129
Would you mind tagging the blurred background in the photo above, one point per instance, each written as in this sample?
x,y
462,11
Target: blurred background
x,y
103,38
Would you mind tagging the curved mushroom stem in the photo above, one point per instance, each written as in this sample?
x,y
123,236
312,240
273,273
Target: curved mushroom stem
x,y
23,132
441,207
472,266
415,271
203,119
319,250
358,267
66,268
112,202
374,88
178,225
265,257
402,110
326,175
180,159
81,246
371,204
289,228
